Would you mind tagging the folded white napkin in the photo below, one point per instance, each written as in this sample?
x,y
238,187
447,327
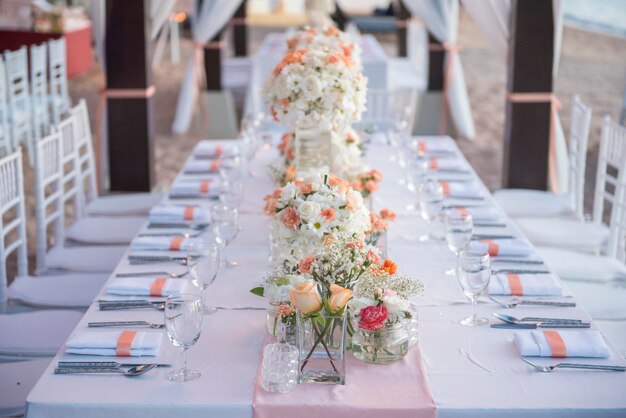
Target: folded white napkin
x,y
160,243
97,343
200,188
481,214
201,166
505,247
525,285
435,163
208,150
436,146
146,286
460,189
176,214
587,343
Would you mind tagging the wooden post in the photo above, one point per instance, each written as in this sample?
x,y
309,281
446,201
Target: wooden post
x,y
402,19
129,89
240,31
436,61
339,17
527,126
213,63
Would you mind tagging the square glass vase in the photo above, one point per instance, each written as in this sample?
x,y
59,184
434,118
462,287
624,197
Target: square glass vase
x,y
322,345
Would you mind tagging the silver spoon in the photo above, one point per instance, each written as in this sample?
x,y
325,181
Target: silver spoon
x,y
548,369
124,324
132,372
514,302
514,320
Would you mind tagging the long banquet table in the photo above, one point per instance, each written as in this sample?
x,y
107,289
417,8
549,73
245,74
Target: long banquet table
x,y
472,372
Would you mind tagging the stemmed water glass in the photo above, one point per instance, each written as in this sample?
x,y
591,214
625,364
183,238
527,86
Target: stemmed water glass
x,y
203,263
416,172
224,222
183,321
231,193
249,147
459,227
431,205
230,168
473,272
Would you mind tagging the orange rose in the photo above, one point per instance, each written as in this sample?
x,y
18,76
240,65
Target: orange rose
x,y
306,298
338,299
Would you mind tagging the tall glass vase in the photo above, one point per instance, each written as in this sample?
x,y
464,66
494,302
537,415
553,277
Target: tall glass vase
x,y
322,345
312,152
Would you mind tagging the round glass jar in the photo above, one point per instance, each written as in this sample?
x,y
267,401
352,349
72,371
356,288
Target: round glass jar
x,y
381,346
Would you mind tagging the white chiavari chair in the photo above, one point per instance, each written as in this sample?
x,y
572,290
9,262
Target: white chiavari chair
x,y
112,205
579,235
389,110
53,191
59,97
16,66
83,229
34,333
610,200
543,204
39,90
6,146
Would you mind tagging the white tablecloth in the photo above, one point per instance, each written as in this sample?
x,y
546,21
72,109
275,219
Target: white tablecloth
x,y
472,372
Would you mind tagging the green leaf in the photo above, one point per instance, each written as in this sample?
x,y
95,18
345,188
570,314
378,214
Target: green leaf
x,y
259,291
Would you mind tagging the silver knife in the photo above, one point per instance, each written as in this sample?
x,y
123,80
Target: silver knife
x,y
490,236
489,225
102,364
155,258
540,325
143,273
548,303
520,271
514,260
105,324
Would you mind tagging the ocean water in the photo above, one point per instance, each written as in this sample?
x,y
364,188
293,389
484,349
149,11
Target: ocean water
x,y
606,16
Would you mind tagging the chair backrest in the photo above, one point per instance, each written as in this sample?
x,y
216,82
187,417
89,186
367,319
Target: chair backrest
x,y
578,142
16,64
72,185
388,109
6,146
39,89
58,79
611,185
13,233
49,195
86,158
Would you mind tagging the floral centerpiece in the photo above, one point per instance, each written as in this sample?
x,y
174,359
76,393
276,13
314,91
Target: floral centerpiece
x,y
307,216
382,311
377,236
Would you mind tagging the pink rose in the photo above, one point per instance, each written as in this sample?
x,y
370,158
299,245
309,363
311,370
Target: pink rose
x,y
373,317
388,214
305,264
376,175
306,188
290,218
371,186
373,257
328,214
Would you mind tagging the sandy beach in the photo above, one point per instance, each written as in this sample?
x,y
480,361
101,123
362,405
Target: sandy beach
x,y
592,66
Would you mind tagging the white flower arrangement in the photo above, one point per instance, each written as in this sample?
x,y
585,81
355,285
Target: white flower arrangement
x,y
316,89
306,216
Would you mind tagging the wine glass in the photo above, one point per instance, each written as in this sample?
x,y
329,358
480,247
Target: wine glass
x,y
249,147
203,262
231,193
431,204
459,227
473,271
183,321
230,168
416,172
224,222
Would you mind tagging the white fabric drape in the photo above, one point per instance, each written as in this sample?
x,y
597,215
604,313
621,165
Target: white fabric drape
x,y
441,18
213,15
159,13
492,17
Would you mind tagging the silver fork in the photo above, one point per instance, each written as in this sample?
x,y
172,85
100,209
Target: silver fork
x,y
153,273
548,369
513,303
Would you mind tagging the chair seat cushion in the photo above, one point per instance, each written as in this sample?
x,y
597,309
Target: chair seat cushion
x,y
573,265
123,204
69,290
97,259
107,231
601,301
16,381
533,203
565,233
37,333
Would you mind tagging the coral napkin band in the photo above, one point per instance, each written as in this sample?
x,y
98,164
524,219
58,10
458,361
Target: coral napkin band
x,y
157,286
462,211
492,248
124,343
515,284
218,150
176,243
446,187
556,343
434,164
204,186
215,165
421,147
189,211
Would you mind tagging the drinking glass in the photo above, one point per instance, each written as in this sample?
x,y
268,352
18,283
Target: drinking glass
x,y
459,227
203,263
473,272
431,204
224,222
183,321
231,193
231,168
249,147
416,172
